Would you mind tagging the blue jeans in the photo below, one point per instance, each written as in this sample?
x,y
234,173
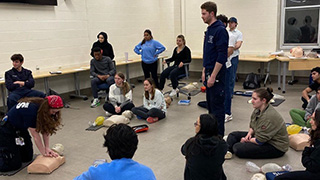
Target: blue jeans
x,y
96,81
215,97
14,96
234,67
228,93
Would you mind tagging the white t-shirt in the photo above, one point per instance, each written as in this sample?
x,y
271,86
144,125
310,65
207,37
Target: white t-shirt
x,y
232,43
238,37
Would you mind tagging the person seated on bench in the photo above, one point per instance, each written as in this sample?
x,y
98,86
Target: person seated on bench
x,y
19,82
154,105
39,116
310,155
301,117
105,46
120,96
315,74
122,142
205,151
181,54
267,136
102,71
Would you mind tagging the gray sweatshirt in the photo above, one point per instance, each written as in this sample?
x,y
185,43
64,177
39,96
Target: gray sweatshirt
x,y
313,104
102,67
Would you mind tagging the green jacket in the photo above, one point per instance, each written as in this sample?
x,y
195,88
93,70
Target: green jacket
x,y
269,127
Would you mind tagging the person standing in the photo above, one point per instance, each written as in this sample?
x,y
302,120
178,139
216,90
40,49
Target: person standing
x,y
106,47
149,49
215,53
233,32
315,74
19,82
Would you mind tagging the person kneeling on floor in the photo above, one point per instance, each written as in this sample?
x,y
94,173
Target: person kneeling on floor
x,y
122,143
154,105
267,136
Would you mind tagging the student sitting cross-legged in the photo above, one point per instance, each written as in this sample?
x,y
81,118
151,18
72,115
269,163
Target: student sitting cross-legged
x,y
267,136
154,105
122,143
310,156
120,96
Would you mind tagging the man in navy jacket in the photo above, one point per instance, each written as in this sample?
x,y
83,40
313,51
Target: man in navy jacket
x,y
19,82
215,53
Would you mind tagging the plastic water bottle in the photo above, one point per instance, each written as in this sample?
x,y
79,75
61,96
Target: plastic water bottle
x,y
287,167
252,167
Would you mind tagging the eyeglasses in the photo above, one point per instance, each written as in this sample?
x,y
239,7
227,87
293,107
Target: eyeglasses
x,y
196,124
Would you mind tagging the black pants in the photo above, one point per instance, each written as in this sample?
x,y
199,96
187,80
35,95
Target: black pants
x,y
215,98
12,155
110,108
173,72
251,150
298,175
14,96
151,68
144,113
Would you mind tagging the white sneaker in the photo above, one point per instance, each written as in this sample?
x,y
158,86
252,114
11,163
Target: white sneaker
x,y
108,114
95,103
228,155
228,118
173,92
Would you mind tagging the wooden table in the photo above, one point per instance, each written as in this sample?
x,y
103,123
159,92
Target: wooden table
x,y
252,58
294,65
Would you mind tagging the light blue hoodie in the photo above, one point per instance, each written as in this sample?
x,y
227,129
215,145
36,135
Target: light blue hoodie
x,y
149,51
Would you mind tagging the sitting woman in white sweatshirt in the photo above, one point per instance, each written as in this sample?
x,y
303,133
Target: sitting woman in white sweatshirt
x,y
154,106
120,96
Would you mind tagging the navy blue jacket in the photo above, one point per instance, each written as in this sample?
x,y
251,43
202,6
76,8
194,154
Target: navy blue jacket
x,y
13,75
215,48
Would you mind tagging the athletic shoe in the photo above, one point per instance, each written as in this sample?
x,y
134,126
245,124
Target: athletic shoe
x,y
228,155
228,118
95,103
152,119
173,92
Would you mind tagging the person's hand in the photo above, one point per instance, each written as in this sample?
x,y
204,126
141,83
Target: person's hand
x,y
181,64
210,81
164,62
118,109
100,77
248,137
243,140
50,153
203,77
21,83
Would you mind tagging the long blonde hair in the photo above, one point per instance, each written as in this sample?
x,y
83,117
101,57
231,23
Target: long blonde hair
x,y
46,123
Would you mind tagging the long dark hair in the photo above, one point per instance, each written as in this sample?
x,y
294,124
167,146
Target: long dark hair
x,y
105,37
264,93
315,134
149,32
126,87
208,128
146,93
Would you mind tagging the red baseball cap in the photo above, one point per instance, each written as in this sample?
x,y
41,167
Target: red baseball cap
x,y
55,101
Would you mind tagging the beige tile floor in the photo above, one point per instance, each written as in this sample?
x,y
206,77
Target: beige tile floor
x,y
159,148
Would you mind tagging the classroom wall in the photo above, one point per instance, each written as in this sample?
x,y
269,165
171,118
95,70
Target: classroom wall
x,y
57,37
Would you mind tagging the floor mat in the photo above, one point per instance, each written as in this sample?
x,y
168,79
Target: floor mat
x,y
277,102
25,164
94,128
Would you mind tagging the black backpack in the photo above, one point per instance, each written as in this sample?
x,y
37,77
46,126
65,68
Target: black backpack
x,y
252,81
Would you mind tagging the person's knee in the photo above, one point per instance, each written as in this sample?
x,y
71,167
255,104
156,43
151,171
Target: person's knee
x,y
239,150
94,81
110,80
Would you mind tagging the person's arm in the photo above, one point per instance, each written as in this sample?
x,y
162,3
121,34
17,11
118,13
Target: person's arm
x,y
238,45
48,151
30,82
145,103
203,75
305,93
159,98
186,55
137,49
312,104
230,51
159,48
111,53
93,69
9,82
112,98
112,71
37,140
214,73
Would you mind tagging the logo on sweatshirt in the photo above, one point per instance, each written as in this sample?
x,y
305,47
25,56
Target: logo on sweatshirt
x,y
210,39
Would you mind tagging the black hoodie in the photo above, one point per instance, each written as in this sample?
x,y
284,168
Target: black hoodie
x,y
105,46
204,158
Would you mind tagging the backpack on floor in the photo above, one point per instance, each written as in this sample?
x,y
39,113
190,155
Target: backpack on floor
x,y
252,81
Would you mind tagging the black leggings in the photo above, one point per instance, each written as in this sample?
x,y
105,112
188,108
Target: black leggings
x,y
151,68
298,175
144,113
12,155
251,150
110,108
